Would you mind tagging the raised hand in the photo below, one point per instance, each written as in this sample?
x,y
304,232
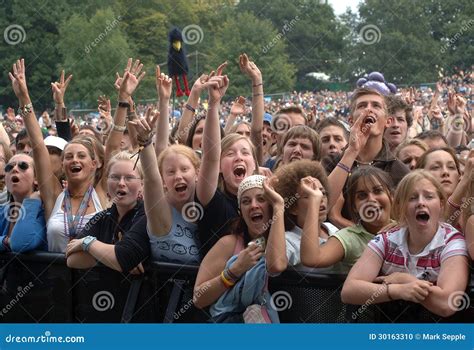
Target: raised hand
x,y
238,106
163,84
59,88
145,126
131,78
217,86
273,197
18,79
250,69
309,187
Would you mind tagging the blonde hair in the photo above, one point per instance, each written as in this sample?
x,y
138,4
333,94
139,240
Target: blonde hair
x,y
412,142
233,128
405,188
183,150
124,156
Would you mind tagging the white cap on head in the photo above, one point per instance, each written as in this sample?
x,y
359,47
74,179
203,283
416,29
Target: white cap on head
x,y
252,181
54,141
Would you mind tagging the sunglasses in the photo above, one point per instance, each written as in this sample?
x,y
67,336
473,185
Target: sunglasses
x,y
23,166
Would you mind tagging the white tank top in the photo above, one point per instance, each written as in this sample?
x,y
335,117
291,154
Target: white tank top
x,y
57,237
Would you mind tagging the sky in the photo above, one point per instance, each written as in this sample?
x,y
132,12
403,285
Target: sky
x,y
340,6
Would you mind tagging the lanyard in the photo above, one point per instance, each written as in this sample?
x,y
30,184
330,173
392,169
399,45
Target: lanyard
x,y
74,223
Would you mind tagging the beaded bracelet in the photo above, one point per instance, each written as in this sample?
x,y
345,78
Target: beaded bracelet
x,y
344,167
119,128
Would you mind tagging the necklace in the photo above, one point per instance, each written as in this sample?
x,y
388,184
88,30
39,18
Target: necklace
x,y
358,162
71,224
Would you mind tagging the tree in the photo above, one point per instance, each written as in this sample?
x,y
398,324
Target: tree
x,y
267,49
93,50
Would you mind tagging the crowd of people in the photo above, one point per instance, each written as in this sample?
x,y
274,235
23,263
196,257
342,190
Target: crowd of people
x,y
377,183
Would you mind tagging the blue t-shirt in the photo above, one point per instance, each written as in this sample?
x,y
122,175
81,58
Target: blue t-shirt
x,y
180,245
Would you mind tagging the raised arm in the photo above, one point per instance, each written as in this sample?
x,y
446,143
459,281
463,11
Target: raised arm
x,y
250,69
275,254
211,141
158,211
238,108
357,140
48,183
312,254
455,130
126,86
163,87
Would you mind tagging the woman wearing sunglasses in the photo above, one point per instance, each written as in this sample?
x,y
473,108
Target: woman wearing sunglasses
x,y
22,225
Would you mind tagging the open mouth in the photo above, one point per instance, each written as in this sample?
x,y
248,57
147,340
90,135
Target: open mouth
x,y
120,193
256,218
180,188
15,179
395,133
422,217
240,171
370,120
75,169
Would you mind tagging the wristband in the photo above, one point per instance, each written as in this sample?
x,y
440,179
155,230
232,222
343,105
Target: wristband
x,y
260,84
124,104
119,128
388,290
190,108
453,205
344,167
259,94
25,110
226,282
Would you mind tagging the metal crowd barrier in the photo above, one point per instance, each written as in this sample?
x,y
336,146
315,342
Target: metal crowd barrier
x,y
38,287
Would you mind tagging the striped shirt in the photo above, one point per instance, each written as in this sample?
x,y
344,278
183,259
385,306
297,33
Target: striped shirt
x,y
391,246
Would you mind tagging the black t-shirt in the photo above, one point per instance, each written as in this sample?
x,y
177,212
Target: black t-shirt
x,y
219,213
134,248
105,226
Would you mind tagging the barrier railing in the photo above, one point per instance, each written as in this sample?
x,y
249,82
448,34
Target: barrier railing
x,y
39,287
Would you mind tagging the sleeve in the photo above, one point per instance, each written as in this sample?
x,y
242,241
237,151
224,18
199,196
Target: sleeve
x,y
378,246
134,248
64,130
292,249
456,245
29,232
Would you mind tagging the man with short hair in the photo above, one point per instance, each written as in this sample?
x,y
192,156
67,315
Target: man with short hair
x,y
333,137
22,143
295,114
433,138
400,112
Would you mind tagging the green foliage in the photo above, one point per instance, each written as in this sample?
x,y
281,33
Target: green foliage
x,y
267,49
287,39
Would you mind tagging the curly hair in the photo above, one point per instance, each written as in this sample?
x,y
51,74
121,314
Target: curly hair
x,y
289,177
